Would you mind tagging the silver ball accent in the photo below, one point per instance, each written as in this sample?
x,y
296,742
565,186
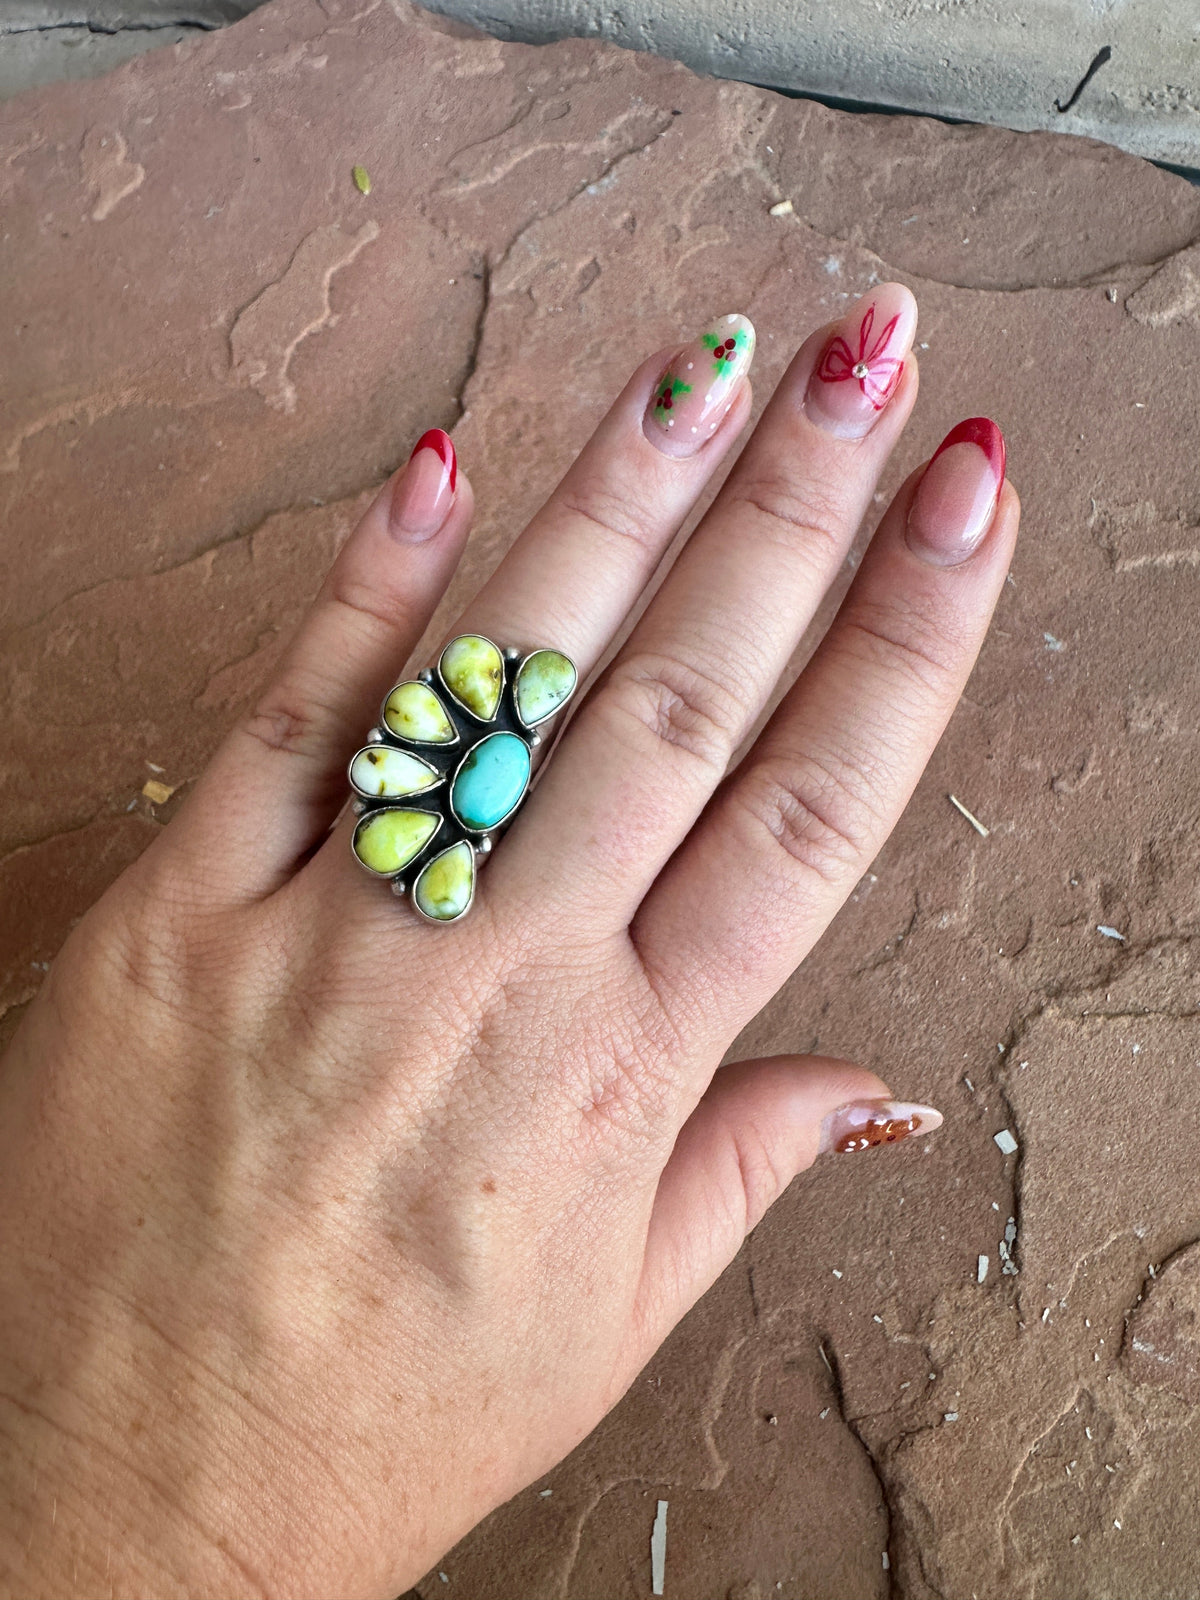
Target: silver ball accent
x,y
512,653
426,674
398,887
375,736
535,739
358,807
484,845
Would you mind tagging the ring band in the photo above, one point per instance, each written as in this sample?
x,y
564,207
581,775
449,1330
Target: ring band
x,y
448,766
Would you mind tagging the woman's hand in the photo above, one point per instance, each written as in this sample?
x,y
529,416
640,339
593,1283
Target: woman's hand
x,y
325,1229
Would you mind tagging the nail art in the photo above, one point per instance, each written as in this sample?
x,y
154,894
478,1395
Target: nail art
x,y
983,432
860,368
424,492
869,364
955,501
863,1124
695,392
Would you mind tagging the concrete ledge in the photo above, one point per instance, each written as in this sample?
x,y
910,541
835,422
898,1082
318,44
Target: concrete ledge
x,y
980,60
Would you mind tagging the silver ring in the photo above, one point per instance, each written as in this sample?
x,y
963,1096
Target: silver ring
x,y
446,769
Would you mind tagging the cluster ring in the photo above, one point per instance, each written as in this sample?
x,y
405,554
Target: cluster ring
x,y
447,767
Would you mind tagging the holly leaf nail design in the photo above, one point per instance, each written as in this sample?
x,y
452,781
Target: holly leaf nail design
x,y
669,390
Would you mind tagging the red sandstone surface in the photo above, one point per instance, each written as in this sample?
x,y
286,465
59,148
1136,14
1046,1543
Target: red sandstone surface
x,y
213,348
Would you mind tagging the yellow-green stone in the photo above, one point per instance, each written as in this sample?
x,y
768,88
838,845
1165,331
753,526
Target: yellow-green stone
x,y
383,773
473,670
444,887
388,839
414,712
545,681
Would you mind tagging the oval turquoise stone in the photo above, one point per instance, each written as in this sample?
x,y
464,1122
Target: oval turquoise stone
x,y
491,781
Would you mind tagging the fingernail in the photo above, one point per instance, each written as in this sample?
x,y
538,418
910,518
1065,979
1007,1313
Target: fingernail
x,y
859,369
863,1124
424,493
956,499
696,390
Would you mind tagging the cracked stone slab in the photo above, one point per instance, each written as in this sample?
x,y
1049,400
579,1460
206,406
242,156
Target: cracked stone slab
x,y
208,370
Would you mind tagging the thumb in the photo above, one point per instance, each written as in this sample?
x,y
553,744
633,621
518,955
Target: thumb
x,y
759,1124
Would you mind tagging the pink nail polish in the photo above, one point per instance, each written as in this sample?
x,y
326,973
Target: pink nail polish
x,y
424,493
695,393
859,369
956,499
863,1124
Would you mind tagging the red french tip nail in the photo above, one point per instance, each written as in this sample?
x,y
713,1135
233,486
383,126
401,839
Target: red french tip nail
x,y
438,440
983,432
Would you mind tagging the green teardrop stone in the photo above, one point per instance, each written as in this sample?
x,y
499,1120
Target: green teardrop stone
x,y
445,886
385,841
473,670
545,681
413,711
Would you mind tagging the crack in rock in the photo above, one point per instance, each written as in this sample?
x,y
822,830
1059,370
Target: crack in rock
x,y
265,333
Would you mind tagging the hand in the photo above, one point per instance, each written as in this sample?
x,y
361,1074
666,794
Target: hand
x,y
324,1229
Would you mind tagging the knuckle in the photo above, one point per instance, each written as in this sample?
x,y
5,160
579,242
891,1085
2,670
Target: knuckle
x,y
683,707
613,512
798,515
285,721
906,639
375,608
823,818
762,1181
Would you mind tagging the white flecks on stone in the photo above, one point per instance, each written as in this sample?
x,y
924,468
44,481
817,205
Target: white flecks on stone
x,y
1005,1142
981,1269
690,365
695,430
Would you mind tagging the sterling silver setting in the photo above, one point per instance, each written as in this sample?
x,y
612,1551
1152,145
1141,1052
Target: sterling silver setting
x,y
446,769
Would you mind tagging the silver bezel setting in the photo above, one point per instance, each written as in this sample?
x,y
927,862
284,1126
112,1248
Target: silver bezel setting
x,y
386,731
467,827
439,778
446,759
446,922
373,811
537,722
461,704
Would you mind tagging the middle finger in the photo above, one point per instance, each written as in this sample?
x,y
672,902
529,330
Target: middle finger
x,y
649,746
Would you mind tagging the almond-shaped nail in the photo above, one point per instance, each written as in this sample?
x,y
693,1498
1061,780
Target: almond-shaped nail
x,y
424,493
696,391
863,1124
860,366
956,498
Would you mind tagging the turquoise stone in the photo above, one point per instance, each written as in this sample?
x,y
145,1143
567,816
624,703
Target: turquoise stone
x,y
545,681
489,784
